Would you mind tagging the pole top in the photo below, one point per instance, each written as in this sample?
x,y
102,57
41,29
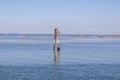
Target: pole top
x,y
57,29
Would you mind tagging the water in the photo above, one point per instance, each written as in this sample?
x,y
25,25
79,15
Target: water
x,y
31,57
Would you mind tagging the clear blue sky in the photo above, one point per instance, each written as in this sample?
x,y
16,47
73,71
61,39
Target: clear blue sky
x,y
71,16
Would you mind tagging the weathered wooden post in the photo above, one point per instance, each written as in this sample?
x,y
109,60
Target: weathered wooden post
x,y
56,46
57,39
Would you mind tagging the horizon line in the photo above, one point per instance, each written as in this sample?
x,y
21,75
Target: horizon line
x,y
50,34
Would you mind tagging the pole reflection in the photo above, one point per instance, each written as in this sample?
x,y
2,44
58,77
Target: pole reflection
x,y
56,57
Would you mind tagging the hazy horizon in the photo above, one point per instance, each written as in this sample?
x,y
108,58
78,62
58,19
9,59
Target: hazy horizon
x,y
53,34
71,16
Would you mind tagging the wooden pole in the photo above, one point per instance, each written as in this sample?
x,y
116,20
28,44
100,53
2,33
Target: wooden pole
x,y
57,39
56,46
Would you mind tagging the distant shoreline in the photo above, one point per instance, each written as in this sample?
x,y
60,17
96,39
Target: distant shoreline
x,y
78,35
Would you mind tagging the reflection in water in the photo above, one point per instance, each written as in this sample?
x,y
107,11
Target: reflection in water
x,y
56,56
57,62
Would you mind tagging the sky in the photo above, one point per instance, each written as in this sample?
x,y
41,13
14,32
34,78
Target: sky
x,y
71,16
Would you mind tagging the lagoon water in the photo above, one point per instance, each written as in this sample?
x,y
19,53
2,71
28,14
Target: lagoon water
x,y
31,57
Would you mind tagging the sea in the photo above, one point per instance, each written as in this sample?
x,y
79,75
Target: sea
x,y
32,57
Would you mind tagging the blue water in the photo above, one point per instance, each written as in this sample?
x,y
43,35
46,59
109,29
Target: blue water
x,y
34,59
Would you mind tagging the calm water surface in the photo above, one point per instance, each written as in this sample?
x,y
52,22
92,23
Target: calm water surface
x,y
31,57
